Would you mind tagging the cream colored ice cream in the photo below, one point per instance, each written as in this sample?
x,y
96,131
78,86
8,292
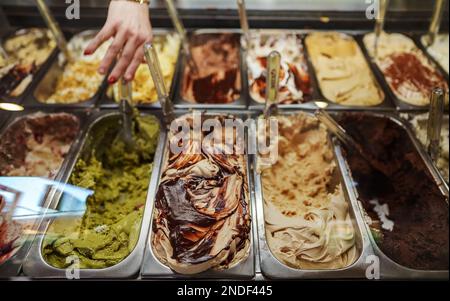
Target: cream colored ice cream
x,y
439,50
295,82
409,73
80,79
144,91
307,219
343,73
420,124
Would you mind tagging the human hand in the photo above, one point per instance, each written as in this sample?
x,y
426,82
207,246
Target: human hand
x,y
129,23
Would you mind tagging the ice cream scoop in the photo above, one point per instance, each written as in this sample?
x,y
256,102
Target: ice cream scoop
x,y
158,79
273,81
126,111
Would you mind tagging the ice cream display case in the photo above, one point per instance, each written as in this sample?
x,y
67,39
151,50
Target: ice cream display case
x,y
321,211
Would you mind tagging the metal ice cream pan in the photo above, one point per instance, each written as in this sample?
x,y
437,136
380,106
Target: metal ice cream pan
x,y
153,268
317,95
106,101
388,268
36,76
240,103
253,104
399,104
35,265
46,86
12,266
272,268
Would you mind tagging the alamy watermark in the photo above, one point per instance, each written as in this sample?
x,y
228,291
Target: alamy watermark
x,y
372,9
73,9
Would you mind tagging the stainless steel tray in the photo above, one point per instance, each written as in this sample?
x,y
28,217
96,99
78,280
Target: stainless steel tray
x,y
36,267
309,104
240,103
272,268
108,102
153,268
386,105
46,85
12,267
36,76
388,268
399,104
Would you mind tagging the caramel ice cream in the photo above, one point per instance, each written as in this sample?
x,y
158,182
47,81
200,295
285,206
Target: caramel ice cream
x,y
307,219
342,71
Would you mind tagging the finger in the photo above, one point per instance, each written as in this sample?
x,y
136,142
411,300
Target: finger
x,y
113,50
105,34
137,60
124,60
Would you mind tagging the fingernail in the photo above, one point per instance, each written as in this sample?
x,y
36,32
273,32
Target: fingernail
x,y
86,52
101,70
112,80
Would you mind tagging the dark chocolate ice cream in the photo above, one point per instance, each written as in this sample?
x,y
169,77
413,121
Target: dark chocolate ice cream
x,y
406,211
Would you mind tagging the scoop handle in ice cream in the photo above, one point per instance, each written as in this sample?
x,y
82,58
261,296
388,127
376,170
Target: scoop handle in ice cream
x,y
273,82
434,126
54,28
244,20
158,79
126,109
379,23
435,22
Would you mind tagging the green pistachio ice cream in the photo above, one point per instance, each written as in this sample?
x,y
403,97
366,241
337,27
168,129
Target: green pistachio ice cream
x,y
109,229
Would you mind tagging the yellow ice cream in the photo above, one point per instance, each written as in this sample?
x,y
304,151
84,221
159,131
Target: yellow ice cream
x,y
342,71
144,91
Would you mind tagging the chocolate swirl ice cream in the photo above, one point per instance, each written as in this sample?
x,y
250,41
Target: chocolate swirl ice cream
x,y
202,212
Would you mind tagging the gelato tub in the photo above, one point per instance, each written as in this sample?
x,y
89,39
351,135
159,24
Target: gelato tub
x,y
36,145
167,47
405,209
295,82
202,215
343,74
33,145
410,75
69,83
307,220
218,79
109,229
27,50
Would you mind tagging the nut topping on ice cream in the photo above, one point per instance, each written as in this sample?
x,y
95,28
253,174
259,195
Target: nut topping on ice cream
x,y
308,225
202,212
